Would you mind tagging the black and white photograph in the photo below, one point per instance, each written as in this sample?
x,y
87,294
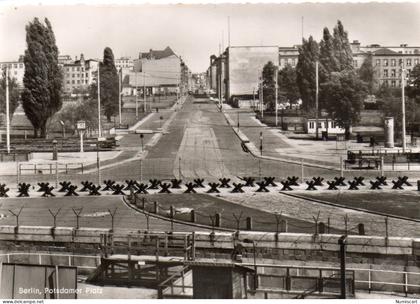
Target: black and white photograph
x,y
255,150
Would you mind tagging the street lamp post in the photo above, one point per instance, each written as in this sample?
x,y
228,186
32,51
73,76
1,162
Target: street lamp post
x,y
98,162
261,142
7,112
343,242
276,76
404,143
141,139
238,119
119,94
99,102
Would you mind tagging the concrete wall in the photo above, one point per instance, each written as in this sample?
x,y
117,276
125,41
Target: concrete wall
x,y
324,247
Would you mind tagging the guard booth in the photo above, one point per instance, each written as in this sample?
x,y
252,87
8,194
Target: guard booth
x,y
219,280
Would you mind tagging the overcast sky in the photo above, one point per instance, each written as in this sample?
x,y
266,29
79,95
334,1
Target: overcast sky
x,y
195,31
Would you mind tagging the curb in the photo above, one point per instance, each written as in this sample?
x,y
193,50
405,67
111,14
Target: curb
x,y
351,208
255,152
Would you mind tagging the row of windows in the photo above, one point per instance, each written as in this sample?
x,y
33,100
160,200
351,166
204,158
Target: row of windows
x,y
68,69
291,61
11,65
321,125
392,83
78,81
394,73
393,62
77,75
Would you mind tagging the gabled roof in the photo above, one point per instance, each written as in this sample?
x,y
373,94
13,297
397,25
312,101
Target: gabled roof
x,y
384,51
154,54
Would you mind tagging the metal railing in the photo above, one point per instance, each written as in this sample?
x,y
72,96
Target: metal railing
x,y
72,259
169,286
408,286
50,168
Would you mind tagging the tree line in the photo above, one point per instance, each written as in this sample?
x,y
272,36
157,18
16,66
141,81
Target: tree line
x,y
342,87
41,96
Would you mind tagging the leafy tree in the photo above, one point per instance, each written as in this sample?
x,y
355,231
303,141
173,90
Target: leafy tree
x,y
288,89
367,73
83,110
109,84
41,96
305,72
327,58
343,94
14,95
269,85
413,83
342,50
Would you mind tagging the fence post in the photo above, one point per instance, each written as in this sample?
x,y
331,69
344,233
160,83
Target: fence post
x,y
341,166
141,171
249,223
382,165
218,220
18,173
192,214
112,214
155,207
179,168
54,215
302,168
77,213
56,174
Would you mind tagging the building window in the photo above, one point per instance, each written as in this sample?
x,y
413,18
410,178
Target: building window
x,y
408,62
21,65
15,65
385,73
355,63
386,62
293,62
78,81
393,83
86,74
72,81
393,62
393,73
86,81
416,61
72,75
400,62
311,125
68,81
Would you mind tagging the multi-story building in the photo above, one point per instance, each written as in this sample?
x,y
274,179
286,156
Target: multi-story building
x,y
238,70
16,70
64,59
79,74
124,63
388,61
160,71
288,55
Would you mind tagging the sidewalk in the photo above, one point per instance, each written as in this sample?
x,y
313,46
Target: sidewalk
x,y
311,153
130,145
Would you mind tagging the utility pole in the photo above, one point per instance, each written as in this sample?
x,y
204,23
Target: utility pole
x,y
316,100
137,92
404,144
144,91
7,111
119,94
262,97
99,102
228,31
276,92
